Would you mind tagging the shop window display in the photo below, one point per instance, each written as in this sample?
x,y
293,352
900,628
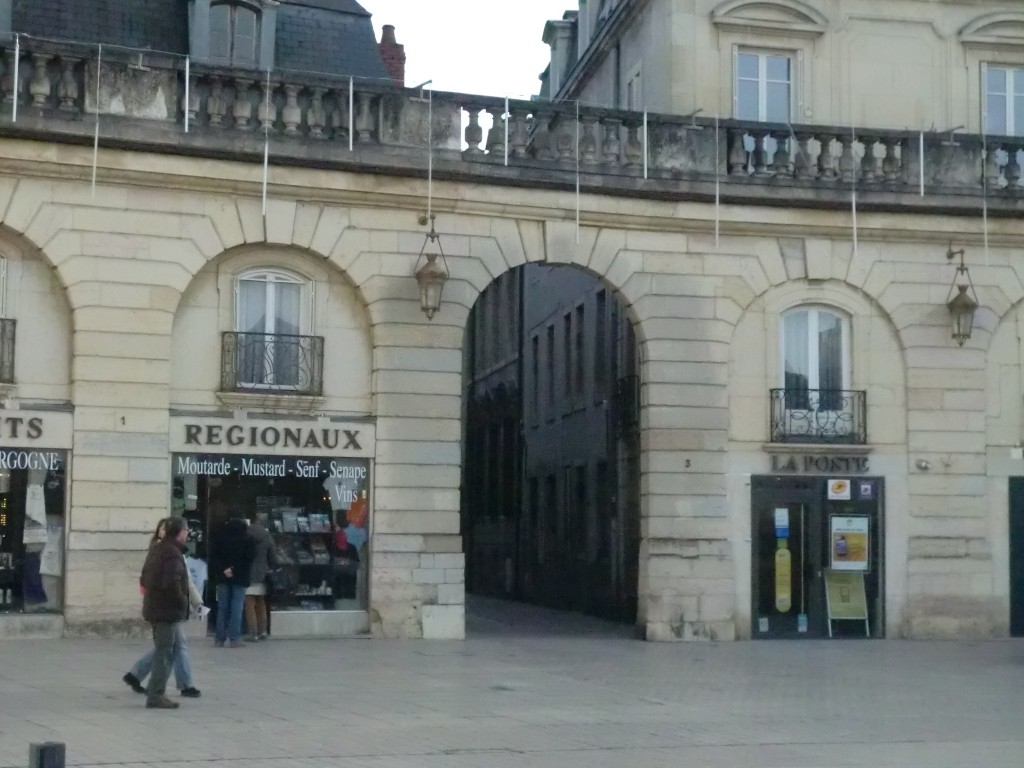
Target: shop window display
x,y
316,510
32,494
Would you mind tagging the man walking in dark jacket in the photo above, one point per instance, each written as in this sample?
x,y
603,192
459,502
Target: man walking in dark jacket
x,y
164,604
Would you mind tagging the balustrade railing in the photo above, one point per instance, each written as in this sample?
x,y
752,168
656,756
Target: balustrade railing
x,y
275,363
315,118
818,416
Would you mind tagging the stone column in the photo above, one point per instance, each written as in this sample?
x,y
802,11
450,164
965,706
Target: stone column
x,y
418,574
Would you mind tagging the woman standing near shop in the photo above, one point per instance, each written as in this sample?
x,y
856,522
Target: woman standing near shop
x,y
264,557
230,563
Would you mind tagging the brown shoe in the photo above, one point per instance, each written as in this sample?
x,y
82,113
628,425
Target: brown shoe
x,y
161,702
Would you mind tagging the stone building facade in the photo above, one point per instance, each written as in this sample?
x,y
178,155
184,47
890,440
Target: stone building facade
x,y
130,271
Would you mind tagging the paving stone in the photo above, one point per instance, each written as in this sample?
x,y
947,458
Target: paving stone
x,y
529,688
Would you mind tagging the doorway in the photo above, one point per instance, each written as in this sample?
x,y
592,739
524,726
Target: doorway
x,y
1017,556
551,485
816,546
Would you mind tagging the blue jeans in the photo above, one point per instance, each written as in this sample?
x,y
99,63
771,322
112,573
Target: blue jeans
x,y
230,603
182,666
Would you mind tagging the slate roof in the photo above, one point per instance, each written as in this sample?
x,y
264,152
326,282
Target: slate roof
x,y
329,36
158,24
341,41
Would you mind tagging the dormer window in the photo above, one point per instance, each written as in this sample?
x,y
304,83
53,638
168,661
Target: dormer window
x,y
238,33
234,35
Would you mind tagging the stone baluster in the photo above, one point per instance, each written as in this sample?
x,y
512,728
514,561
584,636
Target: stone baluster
x,y
241,110
991,165
543,138
339,115
291,113
847,162
759,157
191,108
565,137
803,168
7,82
1011,171
612,142
826,160
266,112
519,135
737,152
588,140
474,134
67,88
891,166
364,117
39,86
216,106
634,151
496,135
316,115
781,165
869,163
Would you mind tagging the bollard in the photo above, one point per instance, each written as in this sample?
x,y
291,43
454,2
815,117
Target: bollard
x,y
49,754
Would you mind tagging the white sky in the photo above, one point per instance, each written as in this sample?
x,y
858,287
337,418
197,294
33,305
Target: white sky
x,y
471,46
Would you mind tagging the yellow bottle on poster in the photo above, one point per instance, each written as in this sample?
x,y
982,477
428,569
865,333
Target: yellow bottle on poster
x,y
783,578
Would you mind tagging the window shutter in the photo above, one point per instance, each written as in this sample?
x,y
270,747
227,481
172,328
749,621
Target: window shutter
x,y
797,86
735,81
983,100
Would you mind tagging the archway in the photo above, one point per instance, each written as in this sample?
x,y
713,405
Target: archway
x,y
551,490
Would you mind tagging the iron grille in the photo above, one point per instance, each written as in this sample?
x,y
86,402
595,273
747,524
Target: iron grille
x,y
270,362
819,416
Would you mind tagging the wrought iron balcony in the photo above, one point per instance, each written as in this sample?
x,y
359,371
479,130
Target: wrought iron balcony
x,y
818,416
275,363
7,326
627,404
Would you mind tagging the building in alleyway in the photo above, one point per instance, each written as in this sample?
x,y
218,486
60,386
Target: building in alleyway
x,y
827,430
551,505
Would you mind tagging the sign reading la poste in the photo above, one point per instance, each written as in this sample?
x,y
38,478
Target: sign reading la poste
x,y
271,437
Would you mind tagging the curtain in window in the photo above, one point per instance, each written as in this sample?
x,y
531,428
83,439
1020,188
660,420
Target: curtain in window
x,y
287,357
796,364
252,322
830,361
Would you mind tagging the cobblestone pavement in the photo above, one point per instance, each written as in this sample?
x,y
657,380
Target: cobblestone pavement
x,y
550,690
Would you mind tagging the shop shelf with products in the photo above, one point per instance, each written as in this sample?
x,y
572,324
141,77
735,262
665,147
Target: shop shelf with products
x,y
306,563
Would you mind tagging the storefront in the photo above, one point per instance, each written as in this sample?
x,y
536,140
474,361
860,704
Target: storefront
x,y
310,484
34,455
817,545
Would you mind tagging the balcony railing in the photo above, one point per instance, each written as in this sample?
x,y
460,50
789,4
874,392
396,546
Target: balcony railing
x,y
145,99
272,363
7,326
818,416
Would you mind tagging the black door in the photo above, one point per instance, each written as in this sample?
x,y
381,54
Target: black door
x,y
787,546
1017,556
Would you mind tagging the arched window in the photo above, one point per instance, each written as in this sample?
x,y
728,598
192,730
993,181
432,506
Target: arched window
x,y
271,320
815,358
234,34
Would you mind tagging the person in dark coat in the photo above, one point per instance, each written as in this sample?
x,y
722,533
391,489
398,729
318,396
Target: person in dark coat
x,y
165,604
230,561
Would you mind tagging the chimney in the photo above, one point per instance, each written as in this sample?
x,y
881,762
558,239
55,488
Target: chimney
x,y
392,53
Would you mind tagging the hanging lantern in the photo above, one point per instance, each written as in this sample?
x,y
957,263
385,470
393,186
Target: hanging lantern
x,y
962,301
432,276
